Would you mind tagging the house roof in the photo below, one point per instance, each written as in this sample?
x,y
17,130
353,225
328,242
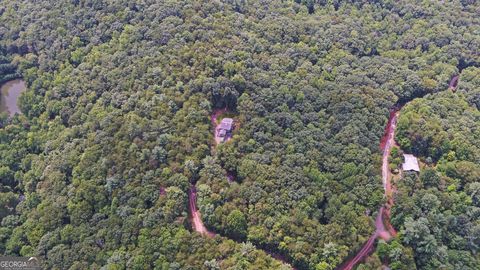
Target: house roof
x,y
411,163
226,123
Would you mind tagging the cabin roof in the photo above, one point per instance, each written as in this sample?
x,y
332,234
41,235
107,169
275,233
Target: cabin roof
x,y
411,163
226,124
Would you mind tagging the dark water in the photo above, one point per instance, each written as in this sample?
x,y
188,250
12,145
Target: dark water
x,y
10,91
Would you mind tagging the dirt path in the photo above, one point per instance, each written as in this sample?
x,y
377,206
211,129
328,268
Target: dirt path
x,y
389,142
195,215
197,222
383,228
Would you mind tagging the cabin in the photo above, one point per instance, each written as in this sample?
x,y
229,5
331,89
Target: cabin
x,y
454,83
411,163
225,128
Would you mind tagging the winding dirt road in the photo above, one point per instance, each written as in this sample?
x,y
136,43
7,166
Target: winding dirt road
x,y
383,228
197,222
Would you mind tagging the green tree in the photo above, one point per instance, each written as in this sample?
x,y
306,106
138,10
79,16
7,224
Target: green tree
x,y
236,224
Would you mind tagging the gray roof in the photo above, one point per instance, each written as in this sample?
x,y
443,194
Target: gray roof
x,y
411,163
226,124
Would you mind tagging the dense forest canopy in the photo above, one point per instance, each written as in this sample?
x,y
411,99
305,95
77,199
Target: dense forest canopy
x,y
7,69
116,127
438,210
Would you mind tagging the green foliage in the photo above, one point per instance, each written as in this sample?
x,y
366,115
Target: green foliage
x,y
7,68
436,211
236,224
441,127
118,105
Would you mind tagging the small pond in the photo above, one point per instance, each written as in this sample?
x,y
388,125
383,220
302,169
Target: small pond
x,y
9,93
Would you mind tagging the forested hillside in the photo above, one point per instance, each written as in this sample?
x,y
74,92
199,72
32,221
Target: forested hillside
x,y
438,209
116,126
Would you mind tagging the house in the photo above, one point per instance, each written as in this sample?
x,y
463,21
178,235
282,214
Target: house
x,y
453,83
225,128
411,163
226,124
